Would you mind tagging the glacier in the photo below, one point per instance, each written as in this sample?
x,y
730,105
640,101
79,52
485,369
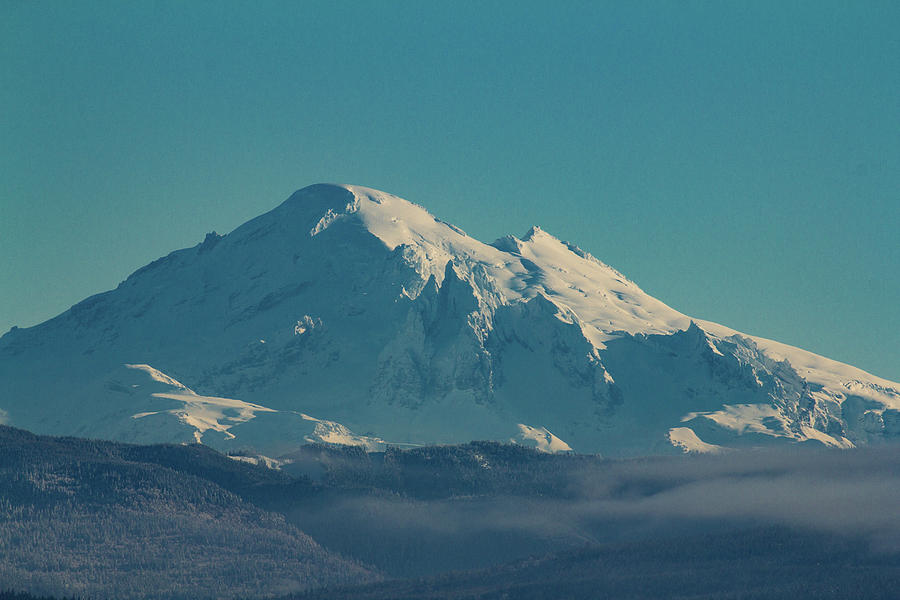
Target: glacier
x,y
349,315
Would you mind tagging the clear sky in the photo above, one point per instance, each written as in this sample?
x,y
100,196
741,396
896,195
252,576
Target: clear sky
x,y
738,160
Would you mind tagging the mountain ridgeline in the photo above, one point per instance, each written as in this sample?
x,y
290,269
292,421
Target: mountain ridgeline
x,y
348,315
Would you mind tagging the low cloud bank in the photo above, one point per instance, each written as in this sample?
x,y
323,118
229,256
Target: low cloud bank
x,y
851,493
845,492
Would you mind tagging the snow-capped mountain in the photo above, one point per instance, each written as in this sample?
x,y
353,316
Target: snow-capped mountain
x,y
349,315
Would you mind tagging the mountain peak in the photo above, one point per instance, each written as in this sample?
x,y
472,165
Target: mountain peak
x,y
363,309
339,197
318,198
315,208
534,232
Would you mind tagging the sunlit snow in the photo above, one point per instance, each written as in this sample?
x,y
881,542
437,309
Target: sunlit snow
x,y
366,311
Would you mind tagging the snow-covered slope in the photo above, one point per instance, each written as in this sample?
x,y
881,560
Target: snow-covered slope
x,y
364,310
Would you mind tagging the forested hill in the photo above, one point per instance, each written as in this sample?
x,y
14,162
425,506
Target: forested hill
x,y
13,595
110,520
751,564
97,519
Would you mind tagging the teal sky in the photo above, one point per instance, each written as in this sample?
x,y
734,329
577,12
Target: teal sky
x,y
738,160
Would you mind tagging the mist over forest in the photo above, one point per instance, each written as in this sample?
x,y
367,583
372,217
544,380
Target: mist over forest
x,y
101,519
